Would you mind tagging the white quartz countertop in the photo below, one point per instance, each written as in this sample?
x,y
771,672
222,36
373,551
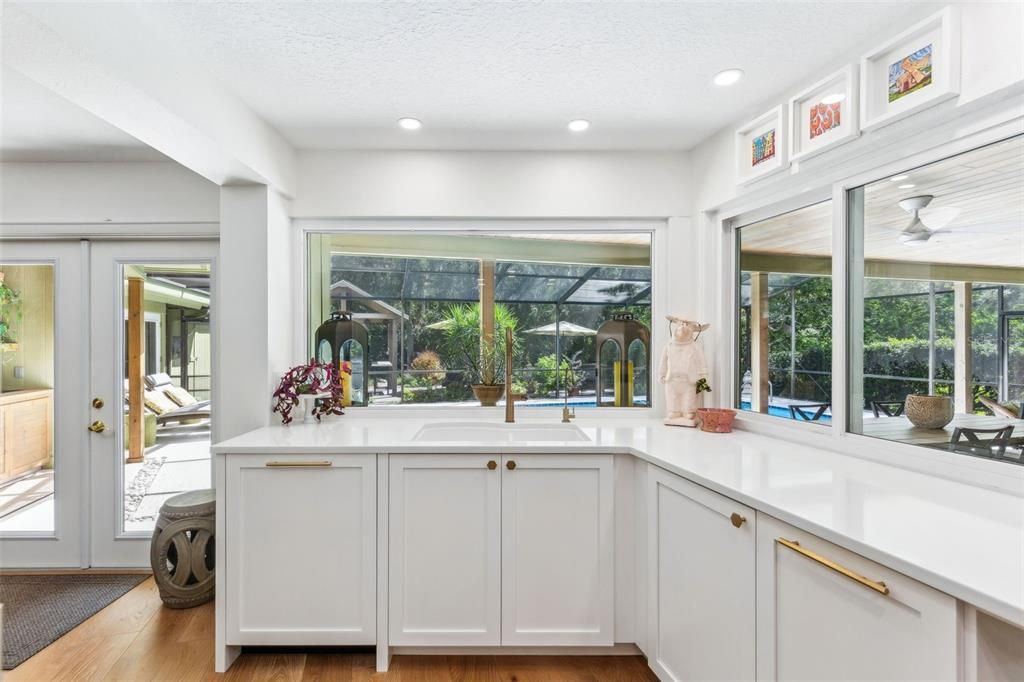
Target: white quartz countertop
x,y
964,540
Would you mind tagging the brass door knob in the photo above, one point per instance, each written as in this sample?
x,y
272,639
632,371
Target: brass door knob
x,y
97,427
97,403
510,465
736,519
492,465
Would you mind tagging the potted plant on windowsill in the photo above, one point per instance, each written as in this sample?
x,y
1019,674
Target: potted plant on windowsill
x,y
488,391
482,356
10,312
316,385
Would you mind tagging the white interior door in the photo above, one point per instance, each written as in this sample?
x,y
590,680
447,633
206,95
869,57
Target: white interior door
x,y
43,440
130,478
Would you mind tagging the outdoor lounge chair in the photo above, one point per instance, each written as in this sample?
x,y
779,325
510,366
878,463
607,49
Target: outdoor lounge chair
x,y
997,445
809,412
1007,410
172,403
888,408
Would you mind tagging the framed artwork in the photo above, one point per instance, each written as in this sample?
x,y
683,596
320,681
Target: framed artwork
x,y
917,69
824,115
761,146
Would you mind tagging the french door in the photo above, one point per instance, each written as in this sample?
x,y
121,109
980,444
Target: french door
x,y
44,456
151,373
107,355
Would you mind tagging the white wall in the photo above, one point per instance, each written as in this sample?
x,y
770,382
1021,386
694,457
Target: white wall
x,y
992,93
492,184
992,70
130,192
253,315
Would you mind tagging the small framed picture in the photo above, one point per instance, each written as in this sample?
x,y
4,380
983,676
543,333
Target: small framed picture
x,y
761,146
917,69
824,115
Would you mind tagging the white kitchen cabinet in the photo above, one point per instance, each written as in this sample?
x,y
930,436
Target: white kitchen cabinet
x,y
701,582
444,550
557,578
825,613
300,549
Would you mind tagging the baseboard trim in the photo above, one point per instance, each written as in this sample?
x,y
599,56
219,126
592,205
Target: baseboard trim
x,y
621,649
75,571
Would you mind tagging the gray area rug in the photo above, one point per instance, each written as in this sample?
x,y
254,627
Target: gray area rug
x,y
40,608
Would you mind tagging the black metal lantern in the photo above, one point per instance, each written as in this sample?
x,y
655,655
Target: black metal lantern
x,y
343,340
623,361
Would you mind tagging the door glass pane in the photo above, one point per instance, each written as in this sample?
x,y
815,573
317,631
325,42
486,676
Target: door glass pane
x,y
26,398
167,365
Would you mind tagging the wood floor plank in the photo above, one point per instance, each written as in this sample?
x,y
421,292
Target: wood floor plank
x,y
84,659
136,638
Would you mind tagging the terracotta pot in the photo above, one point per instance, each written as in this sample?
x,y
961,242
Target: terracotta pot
x,y
715,419
929,411
488,394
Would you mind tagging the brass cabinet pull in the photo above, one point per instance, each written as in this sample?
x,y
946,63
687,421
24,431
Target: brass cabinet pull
x,y
97,427
510,465
737,519
876,585
492,465
285,465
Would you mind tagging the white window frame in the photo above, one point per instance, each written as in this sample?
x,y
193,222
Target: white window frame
x,y
663,280
788,196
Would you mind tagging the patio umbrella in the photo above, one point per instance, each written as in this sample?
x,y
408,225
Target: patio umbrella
x,y
562,329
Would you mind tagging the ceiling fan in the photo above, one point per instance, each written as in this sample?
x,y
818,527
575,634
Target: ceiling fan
x,y
935,221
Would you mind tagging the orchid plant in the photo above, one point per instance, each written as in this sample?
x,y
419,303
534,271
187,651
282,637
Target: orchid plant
x,y
313,377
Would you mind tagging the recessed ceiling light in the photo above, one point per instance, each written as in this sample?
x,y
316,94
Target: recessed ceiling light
x,y
834,98
907,186
579,125
728,77
410,123
897,178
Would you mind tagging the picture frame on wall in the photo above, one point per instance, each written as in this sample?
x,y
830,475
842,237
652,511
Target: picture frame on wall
x,y
916,69
761,146
824,115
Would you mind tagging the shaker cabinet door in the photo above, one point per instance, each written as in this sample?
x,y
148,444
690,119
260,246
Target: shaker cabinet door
x,y
444,550
558,536
825,613
301,549
701,582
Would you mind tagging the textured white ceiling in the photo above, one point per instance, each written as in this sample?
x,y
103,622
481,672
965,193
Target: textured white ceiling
x,y
38,125
503,75
488,75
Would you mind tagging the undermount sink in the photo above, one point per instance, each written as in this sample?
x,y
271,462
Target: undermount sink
x,y
476,432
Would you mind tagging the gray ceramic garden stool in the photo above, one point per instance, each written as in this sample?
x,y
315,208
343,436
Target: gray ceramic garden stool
x,y
181,551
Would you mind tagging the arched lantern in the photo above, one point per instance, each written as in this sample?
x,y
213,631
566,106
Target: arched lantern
x,y
344,340
623,361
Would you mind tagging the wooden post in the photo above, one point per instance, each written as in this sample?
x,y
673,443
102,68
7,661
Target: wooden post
x,y
487,316
759,393
136,351
963,379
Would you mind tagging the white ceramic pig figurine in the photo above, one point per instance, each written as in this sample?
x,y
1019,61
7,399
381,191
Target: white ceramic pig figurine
x,y
683,371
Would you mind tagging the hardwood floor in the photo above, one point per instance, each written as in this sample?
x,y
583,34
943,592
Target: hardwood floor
x,y
136,639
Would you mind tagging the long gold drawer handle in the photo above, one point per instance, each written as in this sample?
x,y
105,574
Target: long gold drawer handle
x,y
876,585
324,463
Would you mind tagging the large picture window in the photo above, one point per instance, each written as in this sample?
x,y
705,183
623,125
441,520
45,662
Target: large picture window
x,y
785,315
936,304
436,307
